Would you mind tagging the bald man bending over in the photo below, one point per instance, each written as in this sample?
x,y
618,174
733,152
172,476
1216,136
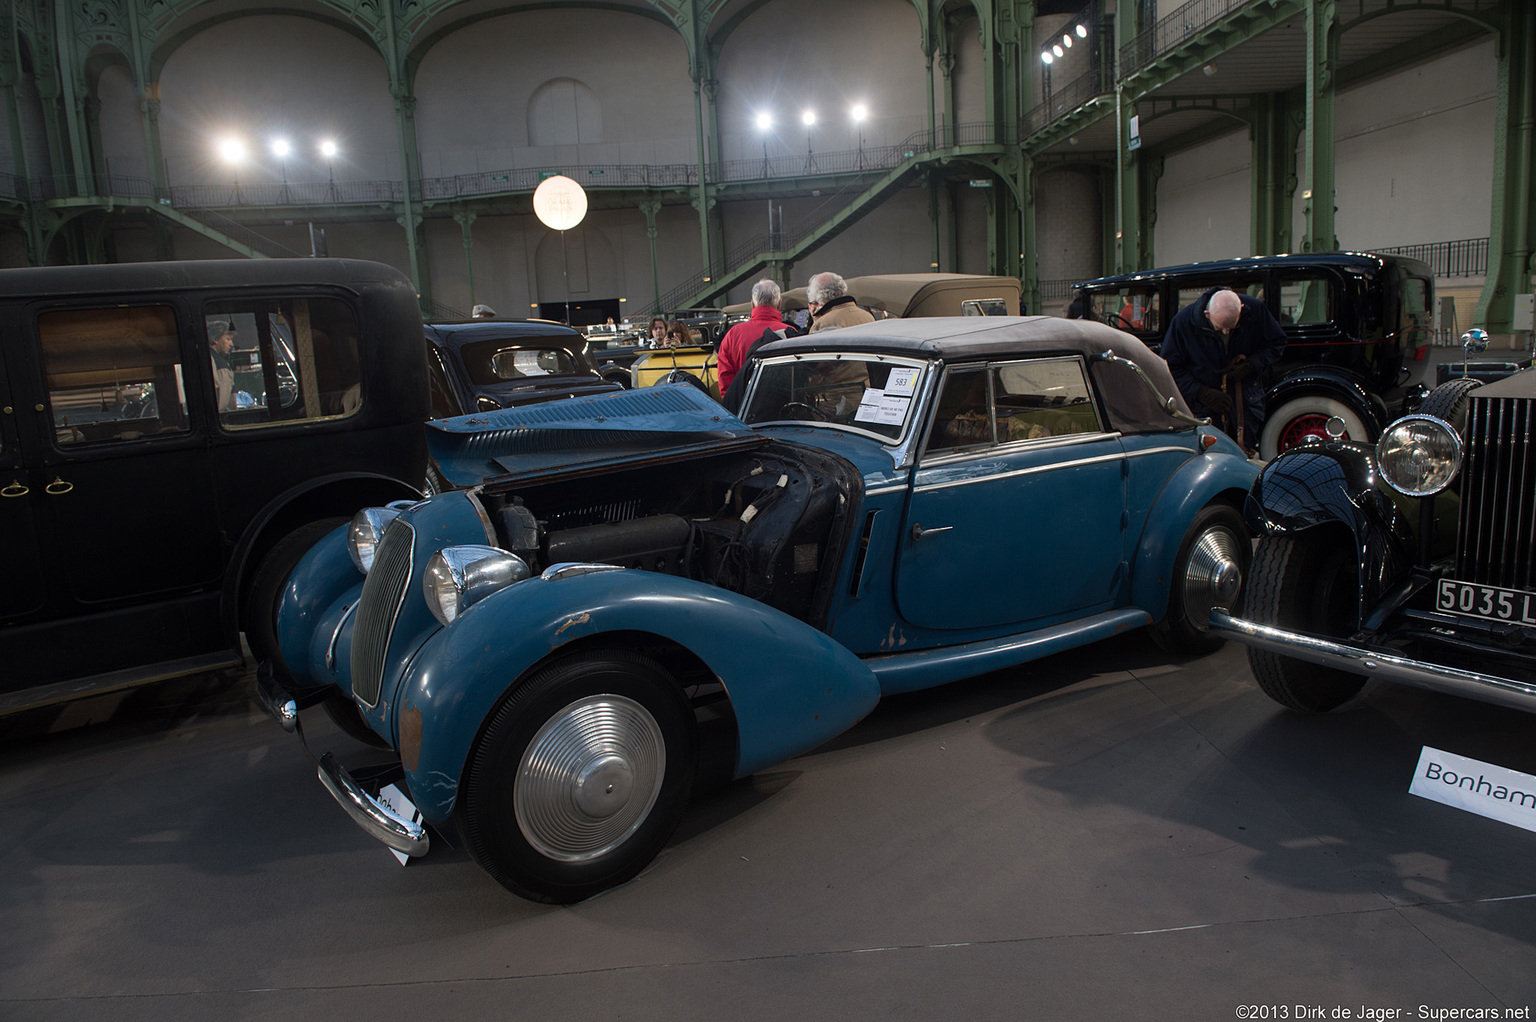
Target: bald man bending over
x,y
1221,340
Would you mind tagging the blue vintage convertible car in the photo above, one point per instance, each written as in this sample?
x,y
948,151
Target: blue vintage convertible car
x,y
611,594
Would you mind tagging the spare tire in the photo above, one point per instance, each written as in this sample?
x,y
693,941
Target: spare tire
x,y
1449,402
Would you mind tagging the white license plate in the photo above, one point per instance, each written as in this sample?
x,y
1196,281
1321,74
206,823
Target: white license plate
x,y
1513,606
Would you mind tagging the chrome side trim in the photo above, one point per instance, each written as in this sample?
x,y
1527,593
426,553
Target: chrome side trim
x,y
1032,470
1450,680
570,569
370,814
330,649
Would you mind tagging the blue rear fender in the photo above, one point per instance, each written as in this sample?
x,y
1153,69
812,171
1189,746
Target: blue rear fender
x,y
307,609
791,687
1198,482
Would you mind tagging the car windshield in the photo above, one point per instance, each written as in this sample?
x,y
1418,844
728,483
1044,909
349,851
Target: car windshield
x,y
490,362
864,392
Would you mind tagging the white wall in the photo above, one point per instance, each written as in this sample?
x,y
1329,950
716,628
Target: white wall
x,y
1204,205
259,77
794,55
1069,229
1415,153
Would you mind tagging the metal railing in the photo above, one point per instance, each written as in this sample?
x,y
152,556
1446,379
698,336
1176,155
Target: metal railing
x,y
1172,30
1465,258
1062,100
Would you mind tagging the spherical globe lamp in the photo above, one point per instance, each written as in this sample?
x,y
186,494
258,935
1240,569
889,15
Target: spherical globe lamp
x,y
559,203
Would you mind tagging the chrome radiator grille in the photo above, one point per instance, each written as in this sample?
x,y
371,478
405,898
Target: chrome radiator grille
x,y
1496,542
383,592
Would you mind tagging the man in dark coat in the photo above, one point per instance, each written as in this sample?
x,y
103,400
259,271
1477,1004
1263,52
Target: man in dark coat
x,y
1220,345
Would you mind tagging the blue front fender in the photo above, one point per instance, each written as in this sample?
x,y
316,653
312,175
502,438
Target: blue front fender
x,y
323,575
1197,482
791,687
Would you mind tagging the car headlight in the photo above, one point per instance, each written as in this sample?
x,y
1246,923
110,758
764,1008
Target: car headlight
x,y
458,577
365,532
1419,455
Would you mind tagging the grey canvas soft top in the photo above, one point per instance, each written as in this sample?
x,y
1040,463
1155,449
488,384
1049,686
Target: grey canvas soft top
x,y
960,339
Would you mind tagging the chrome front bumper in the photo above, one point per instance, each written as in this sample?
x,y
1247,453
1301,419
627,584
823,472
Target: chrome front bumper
x,y
1487,688
366,811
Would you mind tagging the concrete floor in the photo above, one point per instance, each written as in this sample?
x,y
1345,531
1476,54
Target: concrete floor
x,y
1109,833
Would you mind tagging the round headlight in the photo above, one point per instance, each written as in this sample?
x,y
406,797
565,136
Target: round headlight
x,y
365,532
458,577
1419,455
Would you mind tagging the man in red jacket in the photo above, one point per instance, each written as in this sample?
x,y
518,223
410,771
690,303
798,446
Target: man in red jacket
x,y
733,346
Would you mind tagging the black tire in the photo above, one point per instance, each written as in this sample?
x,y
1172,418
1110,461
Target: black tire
x,y
539,809
1449,402
1306,584
258,610
1208,573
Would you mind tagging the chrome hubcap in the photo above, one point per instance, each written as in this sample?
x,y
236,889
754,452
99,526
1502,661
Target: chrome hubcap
x,y
1214,576
589,778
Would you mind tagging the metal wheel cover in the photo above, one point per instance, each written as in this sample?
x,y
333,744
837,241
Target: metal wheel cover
x,y
1213,576
1304,426
589,778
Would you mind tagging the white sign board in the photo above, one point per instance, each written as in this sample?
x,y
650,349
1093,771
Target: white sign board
x,y
395,801
1482,788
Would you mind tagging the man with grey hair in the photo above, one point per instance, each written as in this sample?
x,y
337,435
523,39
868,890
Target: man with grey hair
x,y
1217,348
738,340
831,305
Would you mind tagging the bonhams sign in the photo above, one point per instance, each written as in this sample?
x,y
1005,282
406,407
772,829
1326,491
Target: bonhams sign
x,y
1481,788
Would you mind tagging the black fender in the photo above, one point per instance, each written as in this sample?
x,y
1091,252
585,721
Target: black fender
x,y
1330,381
342,494
1334,484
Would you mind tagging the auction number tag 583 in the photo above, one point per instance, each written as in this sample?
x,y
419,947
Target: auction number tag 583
x,y
1487,602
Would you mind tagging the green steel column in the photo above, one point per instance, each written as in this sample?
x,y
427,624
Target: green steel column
x,y
1276,127
1030,271
1128,243
933,181
702,202
405,122
1512,229
465,220
1322,28
933,124
1127,188
69,99
650,208
149,118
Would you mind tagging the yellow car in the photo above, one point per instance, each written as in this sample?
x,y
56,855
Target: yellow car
x,y
654,367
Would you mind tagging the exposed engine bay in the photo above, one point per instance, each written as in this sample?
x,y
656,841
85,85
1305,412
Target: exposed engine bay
x,y
769,524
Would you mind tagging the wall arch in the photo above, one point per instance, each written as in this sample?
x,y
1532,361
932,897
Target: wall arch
x,y
564,111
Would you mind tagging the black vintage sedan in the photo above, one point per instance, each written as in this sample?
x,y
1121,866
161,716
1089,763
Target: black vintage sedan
x,y
483,365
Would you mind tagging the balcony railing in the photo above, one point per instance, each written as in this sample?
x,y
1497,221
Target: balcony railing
x,y
238,194
1465,258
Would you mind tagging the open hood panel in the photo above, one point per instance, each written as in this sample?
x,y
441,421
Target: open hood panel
x,y
582,433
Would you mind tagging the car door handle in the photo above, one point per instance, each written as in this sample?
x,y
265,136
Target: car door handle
x,y
918,532
15,489
58,487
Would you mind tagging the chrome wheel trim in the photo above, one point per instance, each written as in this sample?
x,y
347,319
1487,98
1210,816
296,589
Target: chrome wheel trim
x,y
1213,576
589,778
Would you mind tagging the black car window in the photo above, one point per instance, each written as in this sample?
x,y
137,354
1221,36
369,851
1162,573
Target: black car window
x,y
1307,300
290,359
519,363
113,374
445,403
1015,401
1129,308
859,391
